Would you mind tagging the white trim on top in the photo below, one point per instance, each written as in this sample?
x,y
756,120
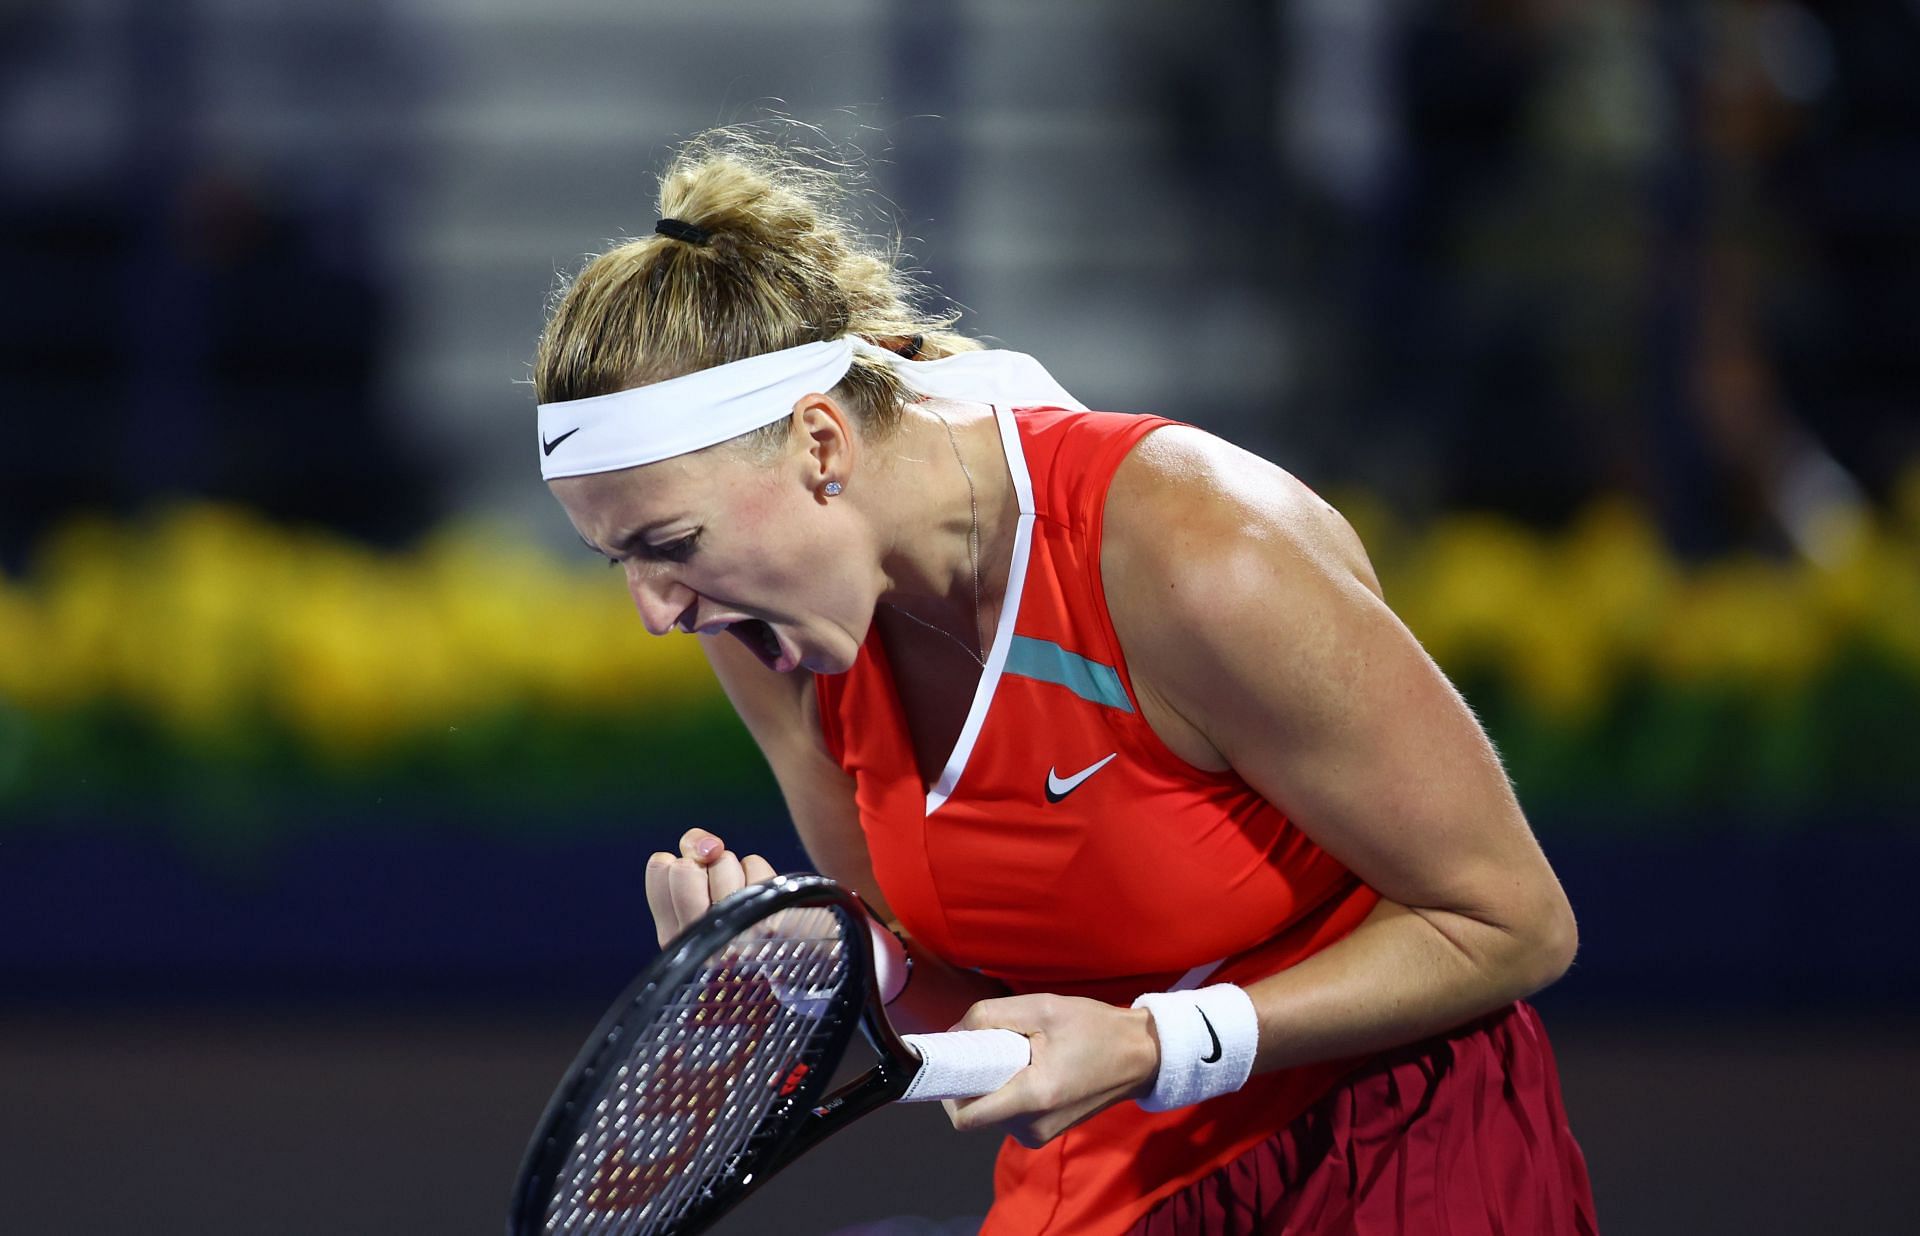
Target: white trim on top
x,y
1009,611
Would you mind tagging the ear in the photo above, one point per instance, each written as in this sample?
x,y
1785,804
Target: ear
x,y
827,446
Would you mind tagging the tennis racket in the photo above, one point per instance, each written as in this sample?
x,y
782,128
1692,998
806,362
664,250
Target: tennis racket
x,y
709,1074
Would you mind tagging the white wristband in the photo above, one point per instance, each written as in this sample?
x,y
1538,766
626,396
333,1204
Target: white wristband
x,y
1207,1042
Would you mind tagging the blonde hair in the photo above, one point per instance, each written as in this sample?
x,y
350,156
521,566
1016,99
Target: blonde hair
x,y
783,266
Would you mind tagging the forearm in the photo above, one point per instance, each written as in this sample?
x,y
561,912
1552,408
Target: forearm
x,y
1401,976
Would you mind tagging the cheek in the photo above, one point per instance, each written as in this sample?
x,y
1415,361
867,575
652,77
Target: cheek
x,y
791,532
815,573
796,562
759,504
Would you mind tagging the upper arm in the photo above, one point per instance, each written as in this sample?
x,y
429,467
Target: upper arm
x,y
1247,606
781,713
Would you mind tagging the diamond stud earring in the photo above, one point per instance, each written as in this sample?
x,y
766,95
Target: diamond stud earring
x,y
832,489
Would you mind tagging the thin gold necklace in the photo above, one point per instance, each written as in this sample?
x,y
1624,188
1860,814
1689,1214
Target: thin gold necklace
x,y
973,559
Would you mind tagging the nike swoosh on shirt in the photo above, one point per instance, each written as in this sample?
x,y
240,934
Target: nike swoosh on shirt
x,y
1059,787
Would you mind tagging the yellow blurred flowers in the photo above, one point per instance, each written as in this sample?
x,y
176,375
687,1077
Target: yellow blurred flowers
x,y
1567,619
207,622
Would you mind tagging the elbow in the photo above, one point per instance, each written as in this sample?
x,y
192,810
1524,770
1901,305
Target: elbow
x,y
1552,943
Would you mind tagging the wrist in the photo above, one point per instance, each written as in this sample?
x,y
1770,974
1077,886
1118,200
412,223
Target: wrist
x,y
1143,1062
1207,1040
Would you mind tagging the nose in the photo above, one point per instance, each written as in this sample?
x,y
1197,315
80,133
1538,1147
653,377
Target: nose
x,y
662,600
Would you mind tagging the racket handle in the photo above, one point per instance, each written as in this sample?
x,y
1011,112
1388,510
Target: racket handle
x,y
962,1064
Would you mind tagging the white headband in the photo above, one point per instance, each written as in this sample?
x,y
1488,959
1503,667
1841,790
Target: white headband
x,y
632,427
680,415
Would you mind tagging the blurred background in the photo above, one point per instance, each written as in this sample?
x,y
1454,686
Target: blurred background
x,y
329,763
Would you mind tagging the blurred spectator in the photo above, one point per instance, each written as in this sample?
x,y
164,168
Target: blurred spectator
x,y
1665,248
230,352
1831,112
174,326
1536,250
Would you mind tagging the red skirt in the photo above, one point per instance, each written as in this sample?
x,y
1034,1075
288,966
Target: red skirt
x,y
1463,1134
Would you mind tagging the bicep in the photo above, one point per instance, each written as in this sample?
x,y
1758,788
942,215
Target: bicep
x,y
780,713
1346,724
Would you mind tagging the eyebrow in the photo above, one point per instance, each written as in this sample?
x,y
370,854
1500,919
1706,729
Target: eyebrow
x,y
627,542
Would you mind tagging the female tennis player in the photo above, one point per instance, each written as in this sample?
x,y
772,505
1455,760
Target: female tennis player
x,y
1105,719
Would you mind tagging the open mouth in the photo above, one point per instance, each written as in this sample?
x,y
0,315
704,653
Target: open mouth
x,y
761,639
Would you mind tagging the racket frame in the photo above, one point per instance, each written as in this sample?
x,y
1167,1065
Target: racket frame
x,y
796,1123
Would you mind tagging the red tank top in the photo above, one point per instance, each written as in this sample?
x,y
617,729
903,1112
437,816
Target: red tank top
x,y
1066,849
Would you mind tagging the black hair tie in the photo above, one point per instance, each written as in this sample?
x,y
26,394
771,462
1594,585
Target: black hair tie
x,y
912,350
678,229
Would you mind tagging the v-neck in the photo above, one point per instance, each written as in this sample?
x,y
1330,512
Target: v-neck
x,y
956,763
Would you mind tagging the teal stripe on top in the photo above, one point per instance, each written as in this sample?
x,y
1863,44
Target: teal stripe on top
x,y
1047,661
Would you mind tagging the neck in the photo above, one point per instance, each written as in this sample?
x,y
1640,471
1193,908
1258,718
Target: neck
x,y
930,570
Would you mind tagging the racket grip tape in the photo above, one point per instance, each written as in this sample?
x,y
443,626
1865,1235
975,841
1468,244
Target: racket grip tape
x,y
962,1064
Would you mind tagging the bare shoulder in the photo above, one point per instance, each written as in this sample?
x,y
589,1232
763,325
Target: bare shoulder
x,y
1184,499
1222,570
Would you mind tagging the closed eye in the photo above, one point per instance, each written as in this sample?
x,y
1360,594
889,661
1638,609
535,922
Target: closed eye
x,y
675,551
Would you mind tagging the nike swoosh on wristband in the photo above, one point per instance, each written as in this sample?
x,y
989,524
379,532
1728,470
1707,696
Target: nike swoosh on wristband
x,y
1059,787
1215,1057
547,446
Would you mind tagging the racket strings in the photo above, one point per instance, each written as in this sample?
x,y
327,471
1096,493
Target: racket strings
x,y
674,1099
688,1091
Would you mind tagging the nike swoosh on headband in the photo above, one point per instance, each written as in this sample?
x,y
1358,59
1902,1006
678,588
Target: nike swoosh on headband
x,y
547,446
1059,787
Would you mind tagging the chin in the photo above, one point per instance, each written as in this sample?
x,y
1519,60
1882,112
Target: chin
x,y
834,658
830,662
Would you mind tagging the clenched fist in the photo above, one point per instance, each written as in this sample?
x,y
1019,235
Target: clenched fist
x,y
681,888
